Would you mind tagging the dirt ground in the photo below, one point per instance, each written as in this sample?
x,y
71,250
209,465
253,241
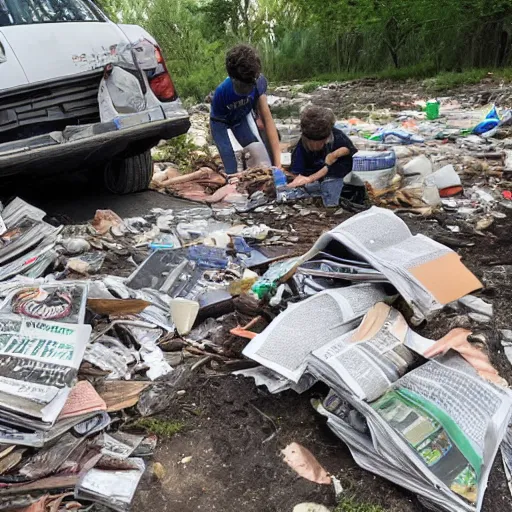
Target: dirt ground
x,y
235,467
234,431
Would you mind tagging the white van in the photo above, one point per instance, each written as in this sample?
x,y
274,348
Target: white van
x,y
56,68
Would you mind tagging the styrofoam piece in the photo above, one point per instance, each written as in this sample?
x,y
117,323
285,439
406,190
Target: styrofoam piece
x,y
420,165
446,177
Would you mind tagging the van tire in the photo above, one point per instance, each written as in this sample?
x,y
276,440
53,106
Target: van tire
x,y
129,175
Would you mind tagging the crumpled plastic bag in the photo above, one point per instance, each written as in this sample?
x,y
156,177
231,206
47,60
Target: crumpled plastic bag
x,y
161,395
104,220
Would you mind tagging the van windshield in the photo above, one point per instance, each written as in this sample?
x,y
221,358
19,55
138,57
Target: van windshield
x,y
27,12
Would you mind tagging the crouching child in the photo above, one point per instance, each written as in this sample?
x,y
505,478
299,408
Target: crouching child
x,y
322,158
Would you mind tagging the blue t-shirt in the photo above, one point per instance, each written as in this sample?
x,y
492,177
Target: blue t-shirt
x,y
229,107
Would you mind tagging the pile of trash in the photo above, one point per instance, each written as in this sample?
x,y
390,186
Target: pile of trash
x,y
424,161
81,352
429,415
105,322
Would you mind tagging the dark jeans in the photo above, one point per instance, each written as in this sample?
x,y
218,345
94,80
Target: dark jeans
x,y
243,134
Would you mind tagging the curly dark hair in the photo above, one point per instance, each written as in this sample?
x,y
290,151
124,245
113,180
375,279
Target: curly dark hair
x,y
243,63
316,123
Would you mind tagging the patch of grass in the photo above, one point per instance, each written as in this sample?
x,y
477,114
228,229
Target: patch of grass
x,y
311,86
159,427
285,111
352,505
446,81
178,151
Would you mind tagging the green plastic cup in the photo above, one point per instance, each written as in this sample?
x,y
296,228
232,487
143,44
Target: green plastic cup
x,y
432,109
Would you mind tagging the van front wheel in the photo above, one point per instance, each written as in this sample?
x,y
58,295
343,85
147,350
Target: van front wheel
x,y
128,175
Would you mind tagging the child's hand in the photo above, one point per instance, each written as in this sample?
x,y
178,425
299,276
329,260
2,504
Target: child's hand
x,y
299,181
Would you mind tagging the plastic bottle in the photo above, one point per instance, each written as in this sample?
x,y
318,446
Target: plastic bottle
x,y
279,178
280,183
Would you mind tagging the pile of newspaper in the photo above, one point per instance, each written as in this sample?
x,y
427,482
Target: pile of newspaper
x,y
433,426
26,242
51,425
39,360
377,246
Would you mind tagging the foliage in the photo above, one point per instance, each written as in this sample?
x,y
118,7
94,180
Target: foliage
x,y
180,151
349,504
313,39
159,427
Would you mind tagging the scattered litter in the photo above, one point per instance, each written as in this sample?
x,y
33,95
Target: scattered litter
x,y
114,489
105,220
302,461
95,353
87,263
476,305
184,313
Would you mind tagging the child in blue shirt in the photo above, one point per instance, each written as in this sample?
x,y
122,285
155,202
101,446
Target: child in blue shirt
x,y
322,158
241,94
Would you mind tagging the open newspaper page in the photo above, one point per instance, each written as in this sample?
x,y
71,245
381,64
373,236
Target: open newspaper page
x,y
370,359
21,237
287,342
59,302
380,233
413,264
39,361
452,421
351,427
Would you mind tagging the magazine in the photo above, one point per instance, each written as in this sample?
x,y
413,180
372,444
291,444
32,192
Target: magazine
x,y
39,361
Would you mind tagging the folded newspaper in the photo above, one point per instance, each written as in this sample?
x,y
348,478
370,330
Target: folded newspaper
x,y
427,274
303,327
24,229
433,427
39,362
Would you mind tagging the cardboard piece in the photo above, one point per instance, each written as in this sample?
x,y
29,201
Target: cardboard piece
x,y
117,306
82,399
446,278
121,394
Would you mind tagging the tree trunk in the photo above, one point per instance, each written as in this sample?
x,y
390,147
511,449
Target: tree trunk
x,y
394,56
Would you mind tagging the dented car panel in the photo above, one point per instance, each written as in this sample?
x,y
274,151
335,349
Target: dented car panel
x,y
11,72
60,106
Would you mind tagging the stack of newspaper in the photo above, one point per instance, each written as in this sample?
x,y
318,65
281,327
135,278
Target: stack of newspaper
x,y
26,241
42,343
376,245
432,426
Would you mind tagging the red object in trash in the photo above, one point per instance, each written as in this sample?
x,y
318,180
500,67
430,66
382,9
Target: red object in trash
x,y
507,194
450,191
